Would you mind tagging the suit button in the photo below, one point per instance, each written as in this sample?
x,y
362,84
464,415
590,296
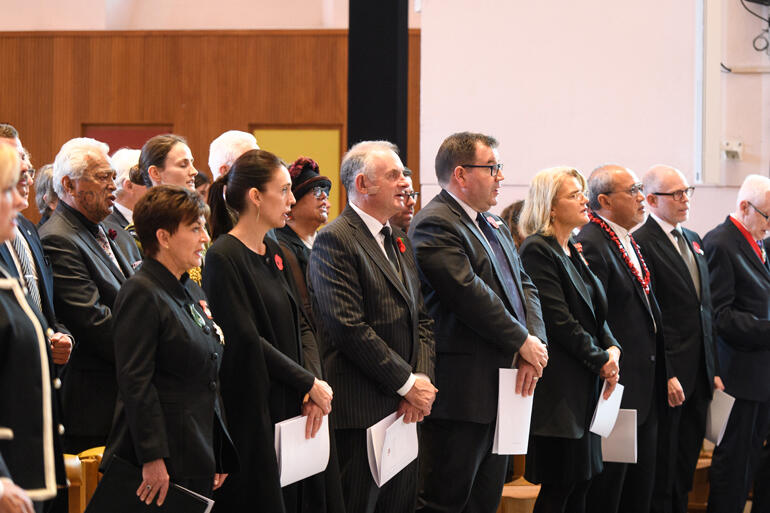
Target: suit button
x,y
213,386
207,330
652,357
61,429
56,383
214,356
49,333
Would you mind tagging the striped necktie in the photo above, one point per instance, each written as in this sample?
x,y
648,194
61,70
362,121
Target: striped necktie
x,y
28,270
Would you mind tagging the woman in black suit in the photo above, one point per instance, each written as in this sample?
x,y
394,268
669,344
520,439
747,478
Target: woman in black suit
x,y
252,297
167,355
563,454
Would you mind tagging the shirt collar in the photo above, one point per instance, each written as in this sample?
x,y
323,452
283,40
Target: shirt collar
x,y
667,227
127,212
90,225
371,223
621,232
472,212
169,283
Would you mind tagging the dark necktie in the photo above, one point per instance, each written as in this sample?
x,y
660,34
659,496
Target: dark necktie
x,y
389,248
504,266
689,259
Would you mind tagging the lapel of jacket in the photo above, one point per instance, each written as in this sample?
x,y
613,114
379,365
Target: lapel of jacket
x,y
572,272
91,244
470,224
372,248
632,276
672,254
748,251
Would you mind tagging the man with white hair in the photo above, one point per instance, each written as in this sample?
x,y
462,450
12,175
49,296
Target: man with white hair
x,y
88,269
127,194
226,149
680,280
740,292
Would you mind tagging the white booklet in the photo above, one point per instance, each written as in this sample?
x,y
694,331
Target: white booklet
x,y
718,415
391,445
620,446
514,413
298,457
606,412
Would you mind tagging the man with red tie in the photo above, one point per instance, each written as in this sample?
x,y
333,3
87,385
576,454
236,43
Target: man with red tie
x,y
740,291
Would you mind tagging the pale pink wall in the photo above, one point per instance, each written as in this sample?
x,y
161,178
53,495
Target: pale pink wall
x,y
577,83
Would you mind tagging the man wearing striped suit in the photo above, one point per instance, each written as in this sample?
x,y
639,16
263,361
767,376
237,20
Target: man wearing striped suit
x,y
375,337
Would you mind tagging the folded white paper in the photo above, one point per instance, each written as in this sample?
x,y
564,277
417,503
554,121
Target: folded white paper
x,y
620,446
391,445
514,413
718,415
606,412
202,498
298,457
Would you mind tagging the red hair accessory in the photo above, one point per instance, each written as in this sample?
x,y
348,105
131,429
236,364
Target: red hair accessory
x,y
300,165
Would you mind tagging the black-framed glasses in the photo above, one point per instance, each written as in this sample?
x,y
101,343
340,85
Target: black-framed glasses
x,y
766,216
320,190
414,195
678,195
633,191
494,169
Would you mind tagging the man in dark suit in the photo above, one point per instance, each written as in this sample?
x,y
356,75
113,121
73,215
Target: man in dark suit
x,y
680,280
740,293
486,311
23,257
126,196
374,334
616,201
88,270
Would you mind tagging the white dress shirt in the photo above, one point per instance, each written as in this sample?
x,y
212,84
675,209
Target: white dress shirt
x,y
127,212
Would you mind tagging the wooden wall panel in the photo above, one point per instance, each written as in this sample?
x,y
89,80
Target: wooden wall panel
x,y
200,82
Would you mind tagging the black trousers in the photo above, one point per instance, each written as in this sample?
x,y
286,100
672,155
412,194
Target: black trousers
x,y
458,472
562,498
736,459
761,501
359,490
624,487
680,438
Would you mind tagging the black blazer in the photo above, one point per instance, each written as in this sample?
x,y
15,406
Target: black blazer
x,y
687,321
373,330
630,318
740,292
43,267
125,241
28,403
167,372
476,330
567,394
85,283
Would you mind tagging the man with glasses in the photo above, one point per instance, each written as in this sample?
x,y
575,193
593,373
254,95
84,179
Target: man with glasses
x,y
23,257
404,217
740,291
487,312
617,206
680,278
89,269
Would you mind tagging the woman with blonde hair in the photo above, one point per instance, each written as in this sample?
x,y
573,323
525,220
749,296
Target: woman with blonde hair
x,y
563,454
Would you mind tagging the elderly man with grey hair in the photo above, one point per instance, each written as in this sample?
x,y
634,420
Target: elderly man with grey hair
x,y
89,269
740,292
373,331
617,206
226,149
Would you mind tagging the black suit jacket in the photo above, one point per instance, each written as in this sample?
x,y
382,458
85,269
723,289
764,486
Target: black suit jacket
x,y
44,271
576,325
125,241
86,283
476,330
687,321
740,292
373,330
630,318
167,372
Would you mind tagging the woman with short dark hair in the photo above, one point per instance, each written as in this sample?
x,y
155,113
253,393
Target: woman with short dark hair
x,y
167,355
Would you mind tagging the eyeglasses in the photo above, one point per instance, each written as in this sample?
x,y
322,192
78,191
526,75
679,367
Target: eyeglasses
x,y
575,196
320,190
494,169
633,191
678,195
766,216
414,194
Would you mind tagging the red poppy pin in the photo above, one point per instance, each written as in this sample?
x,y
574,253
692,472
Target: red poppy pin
x,y
112,234
697,248
492,222
401,245
279,262
205,308
578,247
